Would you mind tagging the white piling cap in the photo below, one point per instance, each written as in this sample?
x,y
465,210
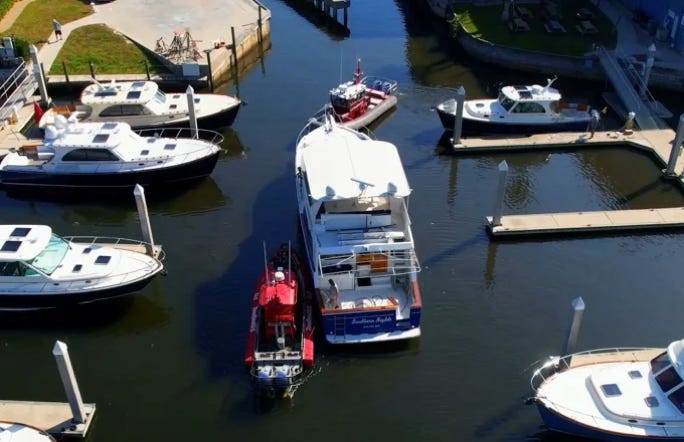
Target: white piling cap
x,y
60,349
189,90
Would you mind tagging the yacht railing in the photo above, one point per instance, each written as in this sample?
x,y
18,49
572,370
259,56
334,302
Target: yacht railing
x,y
398,264
318,120
556,364
113,242
181,132
370,82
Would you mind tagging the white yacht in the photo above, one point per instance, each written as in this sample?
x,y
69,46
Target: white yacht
x,y
142,105
617,394
109,156
525,109
353,207
39,269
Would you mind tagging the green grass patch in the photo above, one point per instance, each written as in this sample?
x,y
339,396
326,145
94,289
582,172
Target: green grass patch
x,y
484,22
109,51
5,6
34,24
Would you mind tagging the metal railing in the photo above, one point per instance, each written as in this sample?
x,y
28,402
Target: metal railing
x,y
19,86
112,242
210,136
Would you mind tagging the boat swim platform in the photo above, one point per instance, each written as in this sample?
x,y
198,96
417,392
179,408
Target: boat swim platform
x,y
657,141
53,417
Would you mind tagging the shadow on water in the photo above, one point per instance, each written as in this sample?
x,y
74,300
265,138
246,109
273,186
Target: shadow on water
x,y
126,314
323,22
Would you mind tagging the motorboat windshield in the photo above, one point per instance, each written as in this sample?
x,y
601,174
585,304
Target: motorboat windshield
x,y
159,97
505,102
49,259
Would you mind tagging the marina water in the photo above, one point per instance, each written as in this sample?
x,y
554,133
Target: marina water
x,y
166,365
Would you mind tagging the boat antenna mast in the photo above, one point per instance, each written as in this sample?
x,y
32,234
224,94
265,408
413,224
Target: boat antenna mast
x,y
357,72
268,281
289,262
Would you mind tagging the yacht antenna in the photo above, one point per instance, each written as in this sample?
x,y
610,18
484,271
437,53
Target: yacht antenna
x,y
549,82
265,263
289,261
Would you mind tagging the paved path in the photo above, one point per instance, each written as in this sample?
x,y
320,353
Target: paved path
x,y
11,15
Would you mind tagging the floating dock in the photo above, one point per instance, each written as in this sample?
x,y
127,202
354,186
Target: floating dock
x,y
54,417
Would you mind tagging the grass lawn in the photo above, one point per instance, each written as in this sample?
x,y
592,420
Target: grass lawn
x,y
484,22
110,53
34,24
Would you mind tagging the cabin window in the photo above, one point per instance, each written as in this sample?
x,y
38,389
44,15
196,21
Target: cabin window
x,y
111,111
160,97
506,102
659,362
133,95
131,110
51,256
529,107
677,398
9,269
90,155
668,379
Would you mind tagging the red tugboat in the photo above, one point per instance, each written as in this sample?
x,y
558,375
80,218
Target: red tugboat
x,y
358,103
280,343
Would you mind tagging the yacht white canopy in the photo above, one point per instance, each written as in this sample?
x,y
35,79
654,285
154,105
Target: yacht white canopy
x,y
339,165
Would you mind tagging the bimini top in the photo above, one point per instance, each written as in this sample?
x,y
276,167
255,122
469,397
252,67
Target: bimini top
x,y
22,242
533,92
124,92
342,163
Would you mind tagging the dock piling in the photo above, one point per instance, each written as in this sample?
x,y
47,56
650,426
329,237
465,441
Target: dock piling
x,y
66,372
458,116
143,214
647,70
66,72
676,148
500,193
40,78
192,115
234,48
92,69
571,341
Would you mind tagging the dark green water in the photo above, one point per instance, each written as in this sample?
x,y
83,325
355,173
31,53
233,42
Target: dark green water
x,y
165,365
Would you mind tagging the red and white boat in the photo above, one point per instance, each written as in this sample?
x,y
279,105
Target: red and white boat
x,y
359,102
280,343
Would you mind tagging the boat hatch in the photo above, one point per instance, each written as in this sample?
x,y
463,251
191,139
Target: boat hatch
x,y
133,95
108,92
20,231
651,401
611,390
10,246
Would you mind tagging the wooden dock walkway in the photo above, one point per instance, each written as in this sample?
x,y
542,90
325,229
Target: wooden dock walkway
x,y
659,142
53,417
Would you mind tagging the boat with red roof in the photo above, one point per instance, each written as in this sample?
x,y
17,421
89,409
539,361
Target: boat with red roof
x,y
359,102
280,342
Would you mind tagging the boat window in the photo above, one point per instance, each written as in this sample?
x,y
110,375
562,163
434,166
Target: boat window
x,y
677,398
160,97
506,102
10,246
133,109
668,379
90,155
529,108
20,231
133,95
659,362
111,111
49,259
9,269
100,138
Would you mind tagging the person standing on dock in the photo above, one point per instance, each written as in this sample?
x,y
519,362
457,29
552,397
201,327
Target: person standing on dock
x,y
593,123
57,27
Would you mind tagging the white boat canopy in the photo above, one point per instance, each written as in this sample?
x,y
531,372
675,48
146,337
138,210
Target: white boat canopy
x,y
340,167
23,242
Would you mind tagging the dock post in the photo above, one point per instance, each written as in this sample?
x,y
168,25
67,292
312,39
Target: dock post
x,y
259,24
192,115
234,47
676,148
500,193
647,70
66,372
571,341
92,69
147,70
458,116
143,214
66,73
210,74
40,78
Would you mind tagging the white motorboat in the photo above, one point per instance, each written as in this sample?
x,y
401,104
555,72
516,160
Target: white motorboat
x,y
523,109
142,104
620,394
109,156
17,432
39,269
357,232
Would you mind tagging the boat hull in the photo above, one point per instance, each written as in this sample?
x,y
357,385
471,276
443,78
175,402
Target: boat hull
x,y
476,127
42,300
373,114
167,178
559,423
